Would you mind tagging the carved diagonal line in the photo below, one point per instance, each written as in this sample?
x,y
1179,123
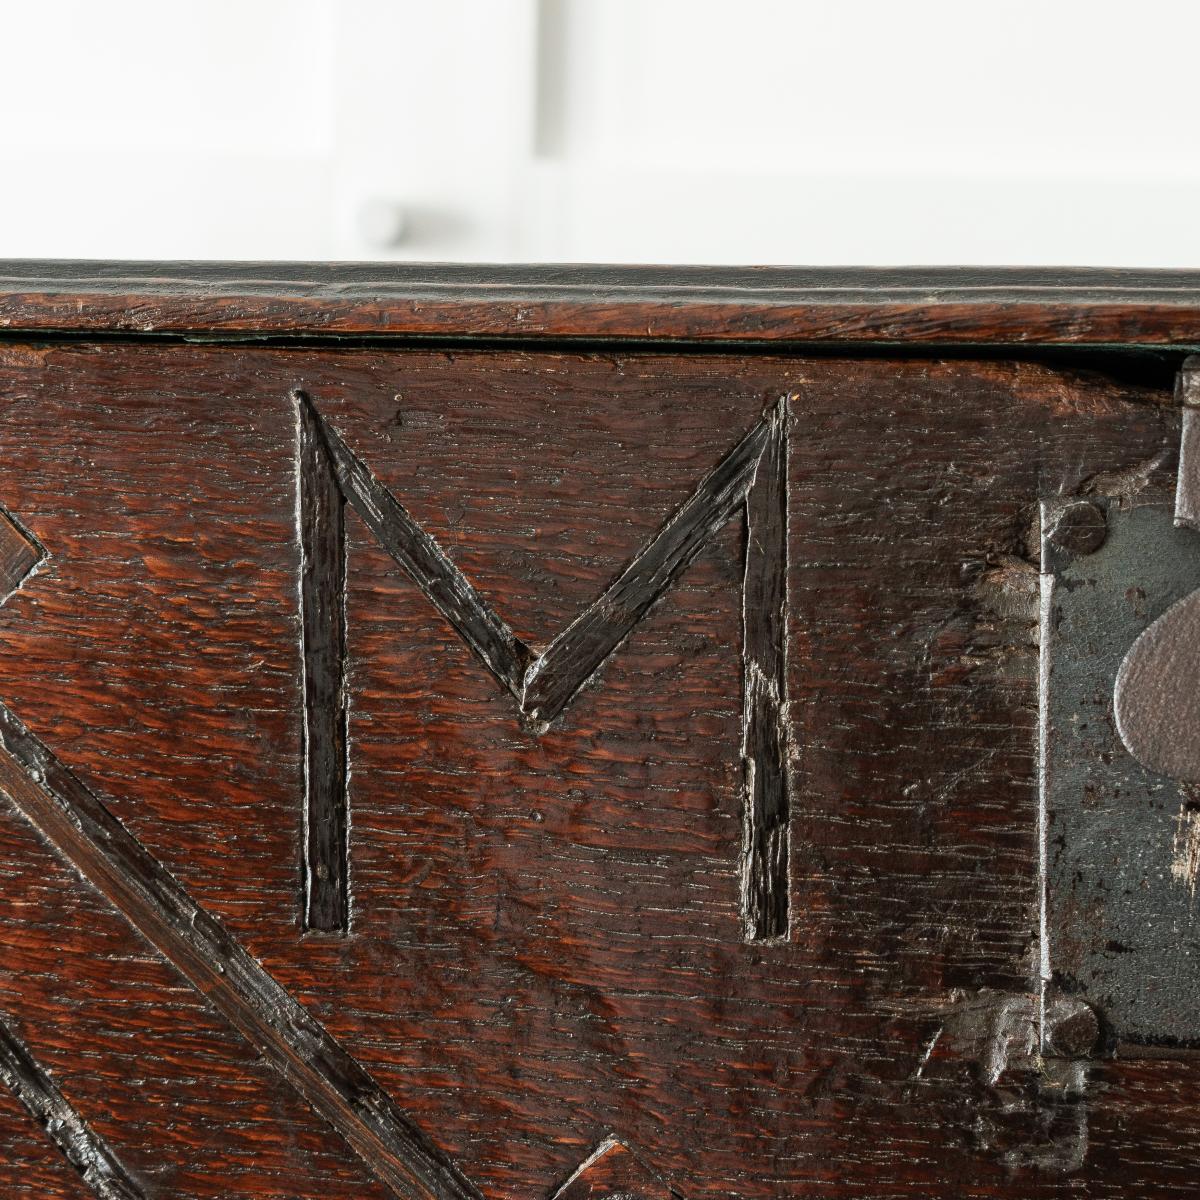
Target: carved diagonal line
x,y
103,851
447,588
573,657
82,1148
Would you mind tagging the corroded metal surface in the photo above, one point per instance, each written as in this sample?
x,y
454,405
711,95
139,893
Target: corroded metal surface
x,y
1187,493
1121,856
1157,697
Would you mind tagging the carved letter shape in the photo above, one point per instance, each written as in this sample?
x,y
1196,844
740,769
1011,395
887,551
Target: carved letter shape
x,y
751,479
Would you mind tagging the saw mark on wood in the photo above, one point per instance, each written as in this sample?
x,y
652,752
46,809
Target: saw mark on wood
x,y
81,1146
336,1086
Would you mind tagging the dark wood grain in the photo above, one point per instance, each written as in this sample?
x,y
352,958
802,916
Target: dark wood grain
x,y
547,949
858,306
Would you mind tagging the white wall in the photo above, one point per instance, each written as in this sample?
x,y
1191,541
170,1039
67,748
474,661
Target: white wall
x,y
855,131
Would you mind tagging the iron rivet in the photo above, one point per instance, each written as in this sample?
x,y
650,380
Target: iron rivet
x,y
1079,528
1072,1028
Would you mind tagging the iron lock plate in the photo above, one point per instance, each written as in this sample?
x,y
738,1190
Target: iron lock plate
x,y
1120,842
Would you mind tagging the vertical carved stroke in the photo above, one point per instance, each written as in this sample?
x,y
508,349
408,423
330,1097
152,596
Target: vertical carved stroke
x,y
271,1020
766,812
82,1148
322,533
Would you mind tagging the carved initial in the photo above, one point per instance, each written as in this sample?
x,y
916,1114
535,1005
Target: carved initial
x,y
751,479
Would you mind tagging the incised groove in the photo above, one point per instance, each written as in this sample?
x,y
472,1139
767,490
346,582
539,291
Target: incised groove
x,y
81,1146
88,836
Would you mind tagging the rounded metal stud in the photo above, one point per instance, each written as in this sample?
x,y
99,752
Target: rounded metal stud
x,y
1079,528
1072,1028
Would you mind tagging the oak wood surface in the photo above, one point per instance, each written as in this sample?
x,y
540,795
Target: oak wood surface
x,y
855,306
546,947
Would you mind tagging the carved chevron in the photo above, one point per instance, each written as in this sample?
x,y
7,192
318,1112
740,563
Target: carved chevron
x,y
613,1172
276,1025
751,479
20,554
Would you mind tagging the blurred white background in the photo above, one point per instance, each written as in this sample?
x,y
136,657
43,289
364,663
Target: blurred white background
x,y
710,131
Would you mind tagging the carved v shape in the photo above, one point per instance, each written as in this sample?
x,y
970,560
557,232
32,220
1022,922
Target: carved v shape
x,y
543,685
751,477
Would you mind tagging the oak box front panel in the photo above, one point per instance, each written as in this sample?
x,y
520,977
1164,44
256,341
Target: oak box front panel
x,y
441,773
